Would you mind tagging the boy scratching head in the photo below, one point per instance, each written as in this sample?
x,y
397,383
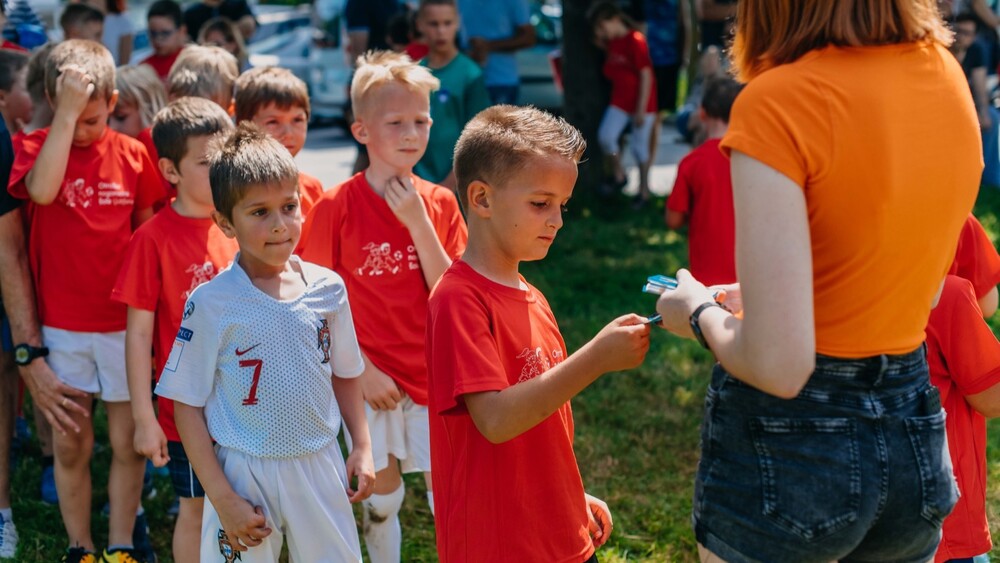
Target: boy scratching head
x,y
277,101
80,76
204,72
81,21
167,33
15,102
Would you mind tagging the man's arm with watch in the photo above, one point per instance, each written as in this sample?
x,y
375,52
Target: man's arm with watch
x,y
56,400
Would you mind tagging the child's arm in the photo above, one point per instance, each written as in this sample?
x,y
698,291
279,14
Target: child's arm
x,y
149,439
359,462
645,89
503,415
73,90
599,520
408,206
675,219
243,523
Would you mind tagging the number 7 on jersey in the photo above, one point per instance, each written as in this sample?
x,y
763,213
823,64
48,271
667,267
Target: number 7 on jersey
x,y
257,366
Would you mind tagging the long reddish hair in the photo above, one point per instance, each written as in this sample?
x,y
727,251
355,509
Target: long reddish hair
x,y
775,32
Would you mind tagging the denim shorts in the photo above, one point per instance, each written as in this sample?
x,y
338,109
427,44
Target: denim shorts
x,y
186,483
855,468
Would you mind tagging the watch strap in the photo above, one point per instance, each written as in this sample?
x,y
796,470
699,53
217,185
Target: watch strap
x,y
696,326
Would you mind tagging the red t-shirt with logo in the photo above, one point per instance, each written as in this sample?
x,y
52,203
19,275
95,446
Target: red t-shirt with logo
x,y
310,190
77,243
976,258
168,257
162,63
522,500
146,138
964,359
626,56
352,231
703,191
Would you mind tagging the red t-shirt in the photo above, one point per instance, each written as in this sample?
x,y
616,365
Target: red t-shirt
x,y
12,46
522,500
352,230
168,257
964,359
976,258
417,50
146,138
310,190
703,191
77,242
162,63
626,56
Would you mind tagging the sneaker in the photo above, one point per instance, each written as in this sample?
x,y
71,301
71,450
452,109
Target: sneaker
x,y
120,556
8,539
78,555
143,550
49,493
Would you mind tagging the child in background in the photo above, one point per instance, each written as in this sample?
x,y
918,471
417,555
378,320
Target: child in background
x,y
462,93
91,176
977,260
251,367
167,35
118,30
41,117
171,254
140,97
505,476
204,72
633,91
278,102
222,32
390,234
16,106
80,21
702,196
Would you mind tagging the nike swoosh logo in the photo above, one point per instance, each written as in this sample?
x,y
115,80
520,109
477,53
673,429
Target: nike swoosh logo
x,y
241,352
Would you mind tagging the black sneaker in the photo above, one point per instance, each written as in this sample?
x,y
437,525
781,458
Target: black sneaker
x,y
78,555
141,541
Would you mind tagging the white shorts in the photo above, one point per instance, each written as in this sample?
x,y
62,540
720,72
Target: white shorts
x,y
304,501
89,361
402,432
615,121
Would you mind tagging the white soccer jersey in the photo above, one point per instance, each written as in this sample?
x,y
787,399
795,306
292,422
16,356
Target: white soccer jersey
x,y
262,367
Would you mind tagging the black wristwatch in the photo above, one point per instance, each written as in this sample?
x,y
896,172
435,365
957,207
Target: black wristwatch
x,y
24,354
696,327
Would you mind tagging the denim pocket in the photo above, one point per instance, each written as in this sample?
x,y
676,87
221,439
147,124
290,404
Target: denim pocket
x,y
937,482
805,459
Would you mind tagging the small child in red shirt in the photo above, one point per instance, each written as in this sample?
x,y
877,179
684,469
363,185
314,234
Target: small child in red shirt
x,y
167,35
505,475
93,187
390,235
702,196
171,254
977,260
278,101
204,71
140,96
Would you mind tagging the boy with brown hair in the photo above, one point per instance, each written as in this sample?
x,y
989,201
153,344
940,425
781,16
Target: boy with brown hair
x,y
171,254
278,102
390,234
94,189
81,21
505,475
167,36
204,72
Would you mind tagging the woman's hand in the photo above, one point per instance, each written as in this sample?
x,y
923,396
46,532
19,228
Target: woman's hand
x,y
677,305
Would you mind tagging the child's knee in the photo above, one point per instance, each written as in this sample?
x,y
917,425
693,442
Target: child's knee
x,y
383,508
73,449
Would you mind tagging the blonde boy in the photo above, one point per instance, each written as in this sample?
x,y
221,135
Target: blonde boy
x,y
390,235
204,72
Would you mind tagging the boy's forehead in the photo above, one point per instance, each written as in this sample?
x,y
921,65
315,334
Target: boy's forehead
x,y
161,21
399,92
273,107
257,193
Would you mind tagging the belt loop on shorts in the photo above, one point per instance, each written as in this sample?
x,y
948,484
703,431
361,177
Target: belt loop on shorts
x,y
884,367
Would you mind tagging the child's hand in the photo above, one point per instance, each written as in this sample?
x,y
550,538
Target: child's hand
x,y
243,523
150,441
379,390
638,118
599,522
73,90
622,344
361,465
677,305
405,202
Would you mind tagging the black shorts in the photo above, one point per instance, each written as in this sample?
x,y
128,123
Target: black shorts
x,y
186,483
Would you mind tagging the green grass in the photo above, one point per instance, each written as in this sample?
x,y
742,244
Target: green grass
x,y
637,432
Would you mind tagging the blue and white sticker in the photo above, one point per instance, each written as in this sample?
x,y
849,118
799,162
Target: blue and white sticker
x,y
188,310
185,334
175,356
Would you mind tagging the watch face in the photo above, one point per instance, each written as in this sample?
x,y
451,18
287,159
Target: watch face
x,y
21,355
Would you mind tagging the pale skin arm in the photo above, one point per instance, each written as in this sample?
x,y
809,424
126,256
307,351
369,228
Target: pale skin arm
x,y
986,403
676,219
773,347
989,302
503,415
243,523
645,89
149,439
408,206
359,462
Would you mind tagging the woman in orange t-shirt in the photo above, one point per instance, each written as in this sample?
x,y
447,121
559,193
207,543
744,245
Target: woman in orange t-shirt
x,y
855,160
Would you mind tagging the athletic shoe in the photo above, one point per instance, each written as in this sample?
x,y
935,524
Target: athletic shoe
x,y
49,493
120,556
140,539
8,539
78,555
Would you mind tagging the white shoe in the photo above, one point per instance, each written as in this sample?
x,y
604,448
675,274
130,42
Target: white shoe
x,y
8,539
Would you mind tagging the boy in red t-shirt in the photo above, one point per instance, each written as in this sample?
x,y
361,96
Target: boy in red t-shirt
x,y
171,254
390,235
278,101
702,196
977,260
92,188
505,475
167,36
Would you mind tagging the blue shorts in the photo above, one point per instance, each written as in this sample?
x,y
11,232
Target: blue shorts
x,y
186,484
855,468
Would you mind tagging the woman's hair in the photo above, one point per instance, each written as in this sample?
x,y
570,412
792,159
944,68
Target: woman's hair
x,y
228,29
139,86
775,32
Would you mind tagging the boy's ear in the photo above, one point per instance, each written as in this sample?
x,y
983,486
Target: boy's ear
x,y
223,223
169,170
113,101
479,195
359,131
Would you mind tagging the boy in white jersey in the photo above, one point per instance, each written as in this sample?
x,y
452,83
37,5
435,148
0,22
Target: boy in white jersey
x,y
251,368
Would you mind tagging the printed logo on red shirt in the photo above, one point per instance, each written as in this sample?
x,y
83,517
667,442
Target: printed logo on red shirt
x,y
76,193
382,259
112,193
537,362
200,273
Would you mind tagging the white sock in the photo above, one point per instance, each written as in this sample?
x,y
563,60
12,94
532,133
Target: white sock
x,y
383,536
430,501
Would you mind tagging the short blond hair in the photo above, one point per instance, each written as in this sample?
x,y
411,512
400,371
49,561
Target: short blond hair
x,y
500,139
91,57
139,86
204,71
376,69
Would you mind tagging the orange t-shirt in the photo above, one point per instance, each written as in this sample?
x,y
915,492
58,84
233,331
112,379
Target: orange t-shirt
x,y
352,230
522,500
77,242
168,257
146,138
976,259
885,145
310,190
964,359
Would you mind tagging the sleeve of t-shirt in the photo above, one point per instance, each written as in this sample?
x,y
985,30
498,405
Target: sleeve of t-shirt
x,y
680,196
520,12
24,160
356,15
449,224
640,52
968,346
462,354
347,360
977,259
189,374
320,242
140,277
149,186
974,57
